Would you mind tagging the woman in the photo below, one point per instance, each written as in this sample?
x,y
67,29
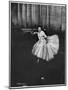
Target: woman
x,y
46,47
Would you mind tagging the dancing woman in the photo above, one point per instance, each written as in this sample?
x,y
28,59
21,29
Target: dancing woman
x,y
46,47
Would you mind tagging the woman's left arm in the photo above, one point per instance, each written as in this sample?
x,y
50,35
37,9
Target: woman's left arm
x,y
44,35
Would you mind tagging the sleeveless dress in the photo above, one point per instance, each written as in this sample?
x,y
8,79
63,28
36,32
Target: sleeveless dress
x,y
46,48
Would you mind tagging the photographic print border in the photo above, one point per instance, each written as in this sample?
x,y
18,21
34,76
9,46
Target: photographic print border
x,y
25,2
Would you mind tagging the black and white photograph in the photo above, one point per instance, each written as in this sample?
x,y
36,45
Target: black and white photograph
x,y
37,33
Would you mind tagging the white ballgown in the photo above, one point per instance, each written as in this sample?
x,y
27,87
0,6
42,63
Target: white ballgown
x,y
46,48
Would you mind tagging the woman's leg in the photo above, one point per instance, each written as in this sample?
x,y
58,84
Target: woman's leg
x,y
38,60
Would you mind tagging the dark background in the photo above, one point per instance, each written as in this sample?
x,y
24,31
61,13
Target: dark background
x,y
24,69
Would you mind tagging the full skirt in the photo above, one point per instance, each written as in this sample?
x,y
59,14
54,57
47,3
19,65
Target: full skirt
x,y
46,49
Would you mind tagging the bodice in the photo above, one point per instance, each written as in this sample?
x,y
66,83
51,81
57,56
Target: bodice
x,y
41,35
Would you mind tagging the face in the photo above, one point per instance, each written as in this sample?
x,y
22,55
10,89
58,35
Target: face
x,y
39,29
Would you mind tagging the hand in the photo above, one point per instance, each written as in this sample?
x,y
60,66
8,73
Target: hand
x,y
34,33
31,32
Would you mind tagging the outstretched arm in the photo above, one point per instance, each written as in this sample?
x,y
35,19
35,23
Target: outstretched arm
x,y
34,32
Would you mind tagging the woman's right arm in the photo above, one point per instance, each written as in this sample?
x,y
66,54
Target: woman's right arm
x,y
35,33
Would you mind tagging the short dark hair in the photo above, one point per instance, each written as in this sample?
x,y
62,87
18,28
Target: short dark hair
x,y
41,27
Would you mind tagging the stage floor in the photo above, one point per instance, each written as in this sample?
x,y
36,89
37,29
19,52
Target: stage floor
x,y
25,70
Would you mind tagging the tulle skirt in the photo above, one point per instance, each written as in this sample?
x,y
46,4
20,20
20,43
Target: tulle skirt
x,y
46,49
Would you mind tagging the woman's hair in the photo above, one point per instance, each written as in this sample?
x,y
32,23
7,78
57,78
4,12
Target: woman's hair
x,y
41,27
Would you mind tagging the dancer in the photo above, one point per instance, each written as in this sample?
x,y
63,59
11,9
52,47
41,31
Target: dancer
x,y
46,47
